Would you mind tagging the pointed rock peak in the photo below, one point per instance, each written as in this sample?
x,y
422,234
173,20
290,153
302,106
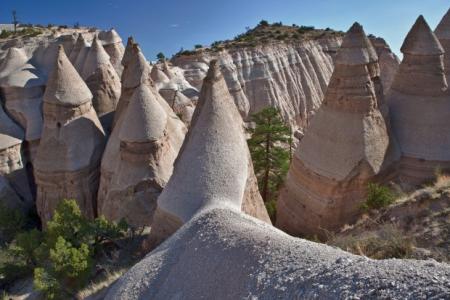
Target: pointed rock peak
x,y
110,37
14,59
442,31
10,133
420,40
96,57
214,73
145,120
166,70
138,69
356,48
65,87
158,76
81,42
128,51
26,76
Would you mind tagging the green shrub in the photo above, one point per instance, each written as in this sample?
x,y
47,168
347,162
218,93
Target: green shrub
x,y
198,46
378,196
263,23
271,207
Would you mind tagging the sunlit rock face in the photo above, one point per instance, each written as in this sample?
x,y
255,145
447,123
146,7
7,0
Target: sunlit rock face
x,y
291,76
68,158
344,148
133,172
419,102
214,152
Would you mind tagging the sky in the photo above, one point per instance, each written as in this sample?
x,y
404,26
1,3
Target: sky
x,y
167,26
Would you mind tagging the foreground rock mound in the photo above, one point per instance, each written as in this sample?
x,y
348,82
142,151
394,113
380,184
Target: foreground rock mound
x,y
214,153
343,149
68,157
419,101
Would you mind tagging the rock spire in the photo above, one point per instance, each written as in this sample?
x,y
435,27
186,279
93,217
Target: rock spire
x,y
72,142
419,102
344,147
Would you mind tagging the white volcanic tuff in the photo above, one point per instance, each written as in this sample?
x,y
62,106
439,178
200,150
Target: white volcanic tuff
x,y
290,76
344,148
145,162
72,142
419,101
113,46
136,73
223,254
14,59
214,152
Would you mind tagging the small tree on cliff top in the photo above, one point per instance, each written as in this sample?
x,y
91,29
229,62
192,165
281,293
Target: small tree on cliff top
x,y
269,147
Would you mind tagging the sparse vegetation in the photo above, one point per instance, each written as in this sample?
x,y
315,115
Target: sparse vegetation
x,y
160,56
389,242
378,196
269,148
61,258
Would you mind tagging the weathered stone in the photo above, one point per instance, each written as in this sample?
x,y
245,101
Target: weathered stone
x,y
442,32
214,152
419,101
113,46
344,147
72,142
103,81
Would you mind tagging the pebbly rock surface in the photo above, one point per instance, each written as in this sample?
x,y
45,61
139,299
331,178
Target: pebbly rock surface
x,y
344,148
419,102
68,157
214,152
223,254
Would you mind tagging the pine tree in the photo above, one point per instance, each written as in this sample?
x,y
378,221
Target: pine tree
x,y
269,146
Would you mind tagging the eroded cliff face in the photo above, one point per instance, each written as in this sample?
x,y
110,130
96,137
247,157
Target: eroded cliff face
x,y
291,75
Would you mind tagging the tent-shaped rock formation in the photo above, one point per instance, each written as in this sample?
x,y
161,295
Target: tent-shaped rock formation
x,y
145,164
419,102
136,73
343,149
72,142
214,152
103,81
113,46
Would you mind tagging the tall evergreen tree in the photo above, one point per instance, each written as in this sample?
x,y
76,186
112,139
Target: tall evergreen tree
x,y
269,146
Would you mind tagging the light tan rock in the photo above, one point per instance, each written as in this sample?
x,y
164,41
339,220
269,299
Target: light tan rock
x,y
79,45
14,59
145,163
103,81
136,73
22,91
82,54
72,142
343,149
419,101
214,152
113,46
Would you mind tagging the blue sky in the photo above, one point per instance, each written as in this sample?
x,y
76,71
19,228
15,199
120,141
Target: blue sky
x,y
169,25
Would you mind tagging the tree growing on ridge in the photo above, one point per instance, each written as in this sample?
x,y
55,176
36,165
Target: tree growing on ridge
x,y
15,20
270,150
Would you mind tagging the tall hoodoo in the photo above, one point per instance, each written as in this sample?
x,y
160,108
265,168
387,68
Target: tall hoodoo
x,y
145,163
14,59
136,73
442,32
419,102
343,149
214,158
12,169
83,51
113,46
103,81
77,48
72,142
